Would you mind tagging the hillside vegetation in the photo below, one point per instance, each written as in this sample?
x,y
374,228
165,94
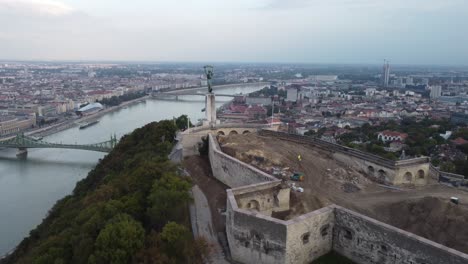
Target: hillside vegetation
x,y
132,208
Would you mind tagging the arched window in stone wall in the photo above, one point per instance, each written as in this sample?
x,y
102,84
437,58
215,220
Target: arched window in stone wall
x,y
370,170
233,132
221,133
305,238
253,204
421,174
408,177
245,132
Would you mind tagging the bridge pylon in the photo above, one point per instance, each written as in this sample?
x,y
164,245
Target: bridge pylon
x,y
22,153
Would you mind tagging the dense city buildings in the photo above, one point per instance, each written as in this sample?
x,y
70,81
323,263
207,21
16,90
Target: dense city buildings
x,y
404,132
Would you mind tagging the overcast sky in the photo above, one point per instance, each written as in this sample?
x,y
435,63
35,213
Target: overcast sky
x,y
307,31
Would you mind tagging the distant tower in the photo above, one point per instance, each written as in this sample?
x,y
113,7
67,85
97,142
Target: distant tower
x,y
386,73
436,91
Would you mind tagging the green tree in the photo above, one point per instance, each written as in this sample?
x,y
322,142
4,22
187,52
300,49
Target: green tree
x,y
175,237
118,242
447,167
182,121
168,199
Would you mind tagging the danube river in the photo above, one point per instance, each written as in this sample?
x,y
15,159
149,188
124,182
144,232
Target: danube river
x,y
29,188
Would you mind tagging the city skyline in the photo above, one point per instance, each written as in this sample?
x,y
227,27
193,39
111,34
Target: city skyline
x,y
336,32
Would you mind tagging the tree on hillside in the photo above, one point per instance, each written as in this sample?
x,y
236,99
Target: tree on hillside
x,y
174,237
168,199
181,122
118,242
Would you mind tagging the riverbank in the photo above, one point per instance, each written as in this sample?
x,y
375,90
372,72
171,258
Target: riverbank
x,y
42,132
29,188
118,207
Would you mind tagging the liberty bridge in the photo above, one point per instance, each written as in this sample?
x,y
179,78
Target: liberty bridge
x,y
23,142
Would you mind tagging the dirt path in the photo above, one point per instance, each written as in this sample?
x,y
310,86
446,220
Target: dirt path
x,y
204,224
209,219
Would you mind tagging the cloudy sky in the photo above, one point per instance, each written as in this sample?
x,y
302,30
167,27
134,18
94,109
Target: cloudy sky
x,y
307,31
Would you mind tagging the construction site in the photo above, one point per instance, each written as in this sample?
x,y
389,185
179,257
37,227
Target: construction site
x,y
426,211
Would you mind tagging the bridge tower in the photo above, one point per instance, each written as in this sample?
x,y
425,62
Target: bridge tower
x,y
22,150
210,102
22,153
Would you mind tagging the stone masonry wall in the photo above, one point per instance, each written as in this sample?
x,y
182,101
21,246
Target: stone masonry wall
x,y
309,236
253,237
231,171
368,241
363,165
256,237
384,170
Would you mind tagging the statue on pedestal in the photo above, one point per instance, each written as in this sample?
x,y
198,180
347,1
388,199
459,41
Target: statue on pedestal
x,y
210,102
209,76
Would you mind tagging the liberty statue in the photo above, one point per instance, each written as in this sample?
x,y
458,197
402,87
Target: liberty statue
x,y
209,76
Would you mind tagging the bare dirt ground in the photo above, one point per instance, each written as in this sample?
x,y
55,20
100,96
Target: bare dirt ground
x,y
425,211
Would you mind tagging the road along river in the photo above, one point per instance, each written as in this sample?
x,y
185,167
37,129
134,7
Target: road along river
x,y
29,188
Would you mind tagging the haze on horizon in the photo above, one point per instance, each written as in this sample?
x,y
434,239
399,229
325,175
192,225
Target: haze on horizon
x,y
302,31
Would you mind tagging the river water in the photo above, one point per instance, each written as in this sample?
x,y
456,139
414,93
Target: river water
x,y
29,188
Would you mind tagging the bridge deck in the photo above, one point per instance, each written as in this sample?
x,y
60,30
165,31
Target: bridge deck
x,y
24,142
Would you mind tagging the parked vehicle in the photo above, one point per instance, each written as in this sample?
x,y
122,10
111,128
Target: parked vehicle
x,y
297,176
296,188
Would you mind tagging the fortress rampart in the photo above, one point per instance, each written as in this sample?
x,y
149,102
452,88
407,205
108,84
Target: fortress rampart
x,y
231,171
411,171
255,236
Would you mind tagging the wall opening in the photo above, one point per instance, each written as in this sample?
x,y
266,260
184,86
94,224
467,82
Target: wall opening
x,y
382,176
408,177
383,248
370,170
253,204
305,238
245,132
233,132
324,230
221,133
276,200
421,174
347,234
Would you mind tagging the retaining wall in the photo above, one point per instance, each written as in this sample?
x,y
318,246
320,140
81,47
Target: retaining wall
x,y
368,241
255,237
377,168
231,171
258,238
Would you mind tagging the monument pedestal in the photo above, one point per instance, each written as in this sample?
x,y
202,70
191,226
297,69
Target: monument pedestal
x,y
210,109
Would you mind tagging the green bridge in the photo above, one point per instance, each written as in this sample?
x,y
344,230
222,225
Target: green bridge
x,y
22,143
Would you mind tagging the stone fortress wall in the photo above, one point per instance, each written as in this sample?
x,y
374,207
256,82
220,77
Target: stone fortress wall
x,y
411,171
254,236
231,171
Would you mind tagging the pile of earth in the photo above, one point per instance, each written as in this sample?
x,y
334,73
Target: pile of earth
x,y
434,218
